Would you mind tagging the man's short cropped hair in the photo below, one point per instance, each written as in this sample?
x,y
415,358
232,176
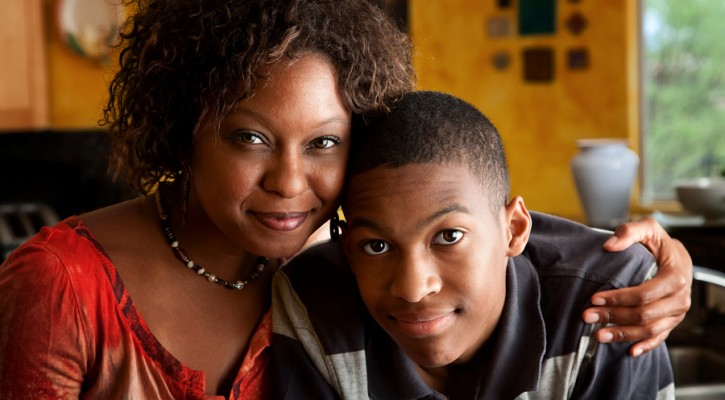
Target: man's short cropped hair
x,y
425,127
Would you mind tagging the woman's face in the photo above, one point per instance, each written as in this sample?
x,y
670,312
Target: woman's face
x,y
274,171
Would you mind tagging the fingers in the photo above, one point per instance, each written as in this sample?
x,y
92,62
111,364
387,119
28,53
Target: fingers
x,y
645,346
647,325
646,229
632,296
646,337
645,314
638,316
666,283
669,252
675,265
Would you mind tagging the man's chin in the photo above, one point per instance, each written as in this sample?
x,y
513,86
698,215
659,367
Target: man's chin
x,y
430,356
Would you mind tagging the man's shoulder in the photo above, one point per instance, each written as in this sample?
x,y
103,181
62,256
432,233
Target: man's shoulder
x,y
570,265
322,287
562,248
318,326
319,267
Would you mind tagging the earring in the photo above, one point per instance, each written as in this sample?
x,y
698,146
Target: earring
x,y
335,228
187,189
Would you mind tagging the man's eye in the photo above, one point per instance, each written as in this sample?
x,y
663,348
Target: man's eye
x,y
448,237
375,247
325,142
248,137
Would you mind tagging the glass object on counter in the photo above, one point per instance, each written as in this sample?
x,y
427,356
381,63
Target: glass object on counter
x,y
604,171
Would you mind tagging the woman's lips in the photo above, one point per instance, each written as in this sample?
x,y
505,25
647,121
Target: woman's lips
x,y
281,221
424,326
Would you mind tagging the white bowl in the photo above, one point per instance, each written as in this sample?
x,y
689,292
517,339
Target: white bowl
x,y
704,196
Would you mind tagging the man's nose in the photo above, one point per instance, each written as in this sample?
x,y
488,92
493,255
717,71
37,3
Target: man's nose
x,y
416,277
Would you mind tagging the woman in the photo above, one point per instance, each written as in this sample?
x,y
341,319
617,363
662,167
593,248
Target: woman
x,y
232,120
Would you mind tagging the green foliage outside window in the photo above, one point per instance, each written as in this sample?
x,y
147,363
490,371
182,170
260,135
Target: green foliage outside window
x,y
684,92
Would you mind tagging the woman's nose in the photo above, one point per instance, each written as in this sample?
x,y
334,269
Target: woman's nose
x,y
286,175
415,278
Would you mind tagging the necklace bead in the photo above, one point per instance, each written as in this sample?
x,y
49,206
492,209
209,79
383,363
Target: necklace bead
x,y
182,256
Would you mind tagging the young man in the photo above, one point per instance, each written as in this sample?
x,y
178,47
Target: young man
x,y
452,290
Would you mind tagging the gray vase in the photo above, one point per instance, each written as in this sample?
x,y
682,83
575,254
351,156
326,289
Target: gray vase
x,y
604,172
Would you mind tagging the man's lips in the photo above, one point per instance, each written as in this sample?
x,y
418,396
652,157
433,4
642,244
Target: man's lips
x,y
281,221
421,325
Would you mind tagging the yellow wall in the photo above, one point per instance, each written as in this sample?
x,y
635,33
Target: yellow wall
x,y
77,85
539,122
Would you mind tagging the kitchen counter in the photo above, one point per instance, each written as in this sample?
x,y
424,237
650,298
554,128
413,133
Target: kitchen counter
x,y
706,244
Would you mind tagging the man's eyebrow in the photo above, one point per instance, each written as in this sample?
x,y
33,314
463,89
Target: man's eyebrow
x,y
363,223
367,223
442,212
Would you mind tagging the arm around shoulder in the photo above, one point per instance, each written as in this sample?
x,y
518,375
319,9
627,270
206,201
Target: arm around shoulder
x,y
648,312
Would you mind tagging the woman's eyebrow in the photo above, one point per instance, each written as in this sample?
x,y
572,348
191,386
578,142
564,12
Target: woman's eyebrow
x,y
333,119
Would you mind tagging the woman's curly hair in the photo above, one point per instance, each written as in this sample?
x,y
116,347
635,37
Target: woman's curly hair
x,y
184,60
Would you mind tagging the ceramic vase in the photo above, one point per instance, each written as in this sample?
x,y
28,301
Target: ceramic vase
x,y
604,172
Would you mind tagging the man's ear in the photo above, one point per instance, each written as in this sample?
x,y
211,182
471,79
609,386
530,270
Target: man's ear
x,y
518,224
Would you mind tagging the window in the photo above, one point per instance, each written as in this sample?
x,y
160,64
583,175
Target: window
x,y
683,56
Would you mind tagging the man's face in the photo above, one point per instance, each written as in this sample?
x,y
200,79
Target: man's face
x,y
430,258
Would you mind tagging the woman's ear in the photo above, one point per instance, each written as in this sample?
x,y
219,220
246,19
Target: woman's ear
x,y
518,223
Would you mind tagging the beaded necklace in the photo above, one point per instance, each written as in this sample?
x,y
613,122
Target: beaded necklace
x,y
180,254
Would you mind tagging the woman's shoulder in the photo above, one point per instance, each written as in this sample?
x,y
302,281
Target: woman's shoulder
x,y
73,254
121,227
68,238
56,255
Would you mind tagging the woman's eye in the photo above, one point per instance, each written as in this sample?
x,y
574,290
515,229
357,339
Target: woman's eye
x,y
375,247
325,142
248,137
447,237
